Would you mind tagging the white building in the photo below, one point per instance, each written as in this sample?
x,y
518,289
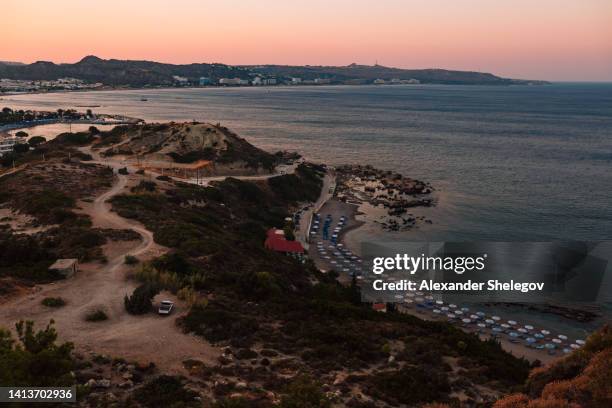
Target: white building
x,y
269,81
296,81
8,143
256,81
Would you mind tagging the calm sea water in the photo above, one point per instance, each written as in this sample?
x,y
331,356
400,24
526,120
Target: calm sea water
x,y
510,163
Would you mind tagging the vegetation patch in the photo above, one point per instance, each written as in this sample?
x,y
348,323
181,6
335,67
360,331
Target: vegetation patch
x,y
53,302
96,316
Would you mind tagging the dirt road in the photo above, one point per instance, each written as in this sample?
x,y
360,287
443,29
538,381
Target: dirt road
x,y
103,286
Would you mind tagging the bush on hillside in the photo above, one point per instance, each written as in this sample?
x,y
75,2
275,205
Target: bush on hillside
x,y
141,300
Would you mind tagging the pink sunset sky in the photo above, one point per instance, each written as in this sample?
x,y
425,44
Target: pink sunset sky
x,y
535,39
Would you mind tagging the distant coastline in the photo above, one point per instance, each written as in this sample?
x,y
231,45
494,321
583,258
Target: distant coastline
x,y
92,73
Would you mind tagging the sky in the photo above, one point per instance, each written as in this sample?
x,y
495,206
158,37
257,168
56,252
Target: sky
x,y
558,40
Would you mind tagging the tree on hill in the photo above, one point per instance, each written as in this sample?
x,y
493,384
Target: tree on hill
x,y
35,359
36,140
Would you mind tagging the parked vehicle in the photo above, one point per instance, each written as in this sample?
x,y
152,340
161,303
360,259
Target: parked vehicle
x,y
165,307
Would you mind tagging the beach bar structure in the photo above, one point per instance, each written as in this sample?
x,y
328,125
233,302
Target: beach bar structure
x,y
65,268
276,241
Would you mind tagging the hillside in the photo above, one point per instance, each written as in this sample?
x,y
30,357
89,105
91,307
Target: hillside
x,y
117,73
370,73
186,143
148,73
582,379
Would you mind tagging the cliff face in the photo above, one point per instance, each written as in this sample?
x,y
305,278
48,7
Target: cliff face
x,y
147,73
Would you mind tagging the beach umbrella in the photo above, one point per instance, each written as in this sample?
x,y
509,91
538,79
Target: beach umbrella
x,y
429,297
399,296
436,311
513,334
497,329
489,321
575,346
450,316
481,325
521,330
550,346
557,341
566,350
458,312
512,322
538,336
530,340
580,342
480,314
410,295
445,309
475,317
496,318
466,321
439,302
562,337
545,332
340,245
419,299
505,326
408,301
529,327
465,309
333,262
452,306
419,293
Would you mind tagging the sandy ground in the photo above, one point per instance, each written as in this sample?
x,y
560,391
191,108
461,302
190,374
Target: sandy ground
x,y
103,286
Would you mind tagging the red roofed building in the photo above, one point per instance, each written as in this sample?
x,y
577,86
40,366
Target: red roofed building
x,y
276,242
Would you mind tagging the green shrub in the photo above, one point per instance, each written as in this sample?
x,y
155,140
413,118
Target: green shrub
x,y
140,301
304,392
35,359
53,302
166,391
131,260
96,316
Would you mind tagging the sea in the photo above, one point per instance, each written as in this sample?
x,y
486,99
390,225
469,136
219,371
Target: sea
x,y
508,163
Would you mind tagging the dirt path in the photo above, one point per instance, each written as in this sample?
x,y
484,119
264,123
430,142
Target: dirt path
x,y
103,286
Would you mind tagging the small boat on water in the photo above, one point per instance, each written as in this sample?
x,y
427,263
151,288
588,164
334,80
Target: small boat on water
x,y
143,99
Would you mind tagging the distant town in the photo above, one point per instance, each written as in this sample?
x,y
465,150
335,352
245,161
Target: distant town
x,y
92,73
74,84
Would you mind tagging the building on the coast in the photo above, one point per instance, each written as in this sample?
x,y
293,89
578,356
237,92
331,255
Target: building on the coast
x,y
269,81
65,268
379,81
322,81
233,81
205,81
7,144
179,80
276,241
296,81
380,307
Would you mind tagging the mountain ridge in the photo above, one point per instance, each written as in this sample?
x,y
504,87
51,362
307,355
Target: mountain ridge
x,y
141,73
